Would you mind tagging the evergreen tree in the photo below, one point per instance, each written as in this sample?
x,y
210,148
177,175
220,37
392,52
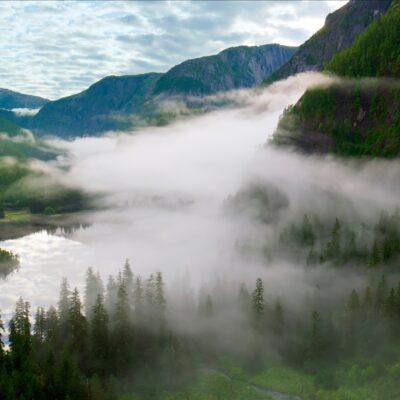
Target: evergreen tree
x,y
99,334
128,278
52,325
94,287
77,325
20,334
63,302
111,297
39,327
258,305
160,302
138,299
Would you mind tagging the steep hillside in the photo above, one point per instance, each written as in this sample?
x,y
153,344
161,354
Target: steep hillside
x,y
120,102
10,100
20,144
237,67
339,32
92,110
358,117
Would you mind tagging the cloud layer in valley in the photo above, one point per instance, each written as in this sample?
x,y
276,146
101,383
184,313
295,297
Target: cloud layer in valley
x,y
165,189
57,48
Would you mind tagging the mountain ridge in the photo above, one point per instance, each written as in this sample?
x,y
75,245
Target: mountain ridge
x,y
340,30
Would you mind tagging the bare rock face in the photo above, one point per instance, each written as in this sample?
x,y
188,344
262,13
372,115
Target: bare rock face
x,y
339,32
237,67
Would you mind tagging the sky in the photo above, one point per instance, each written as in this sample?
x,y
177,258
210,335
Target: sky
x,y
57,48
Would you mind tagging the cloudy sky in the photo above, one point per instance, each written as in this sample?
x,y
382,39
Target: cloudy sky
x,y
57,48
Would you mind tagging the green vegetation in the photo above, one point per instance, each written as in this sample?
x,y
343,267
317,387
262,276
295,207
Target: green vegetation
x,y
8,263
120,344
376,52
352,119
355,118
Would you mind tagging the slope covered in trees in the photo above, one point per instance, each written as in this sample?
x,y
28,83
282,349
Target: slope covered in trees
x,y
353,118
122,102
125,338
339,32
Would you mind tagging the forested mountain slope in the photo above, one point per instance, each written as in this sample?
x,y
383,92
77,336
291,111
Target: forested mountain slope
x,y
117,102
360,117
339,32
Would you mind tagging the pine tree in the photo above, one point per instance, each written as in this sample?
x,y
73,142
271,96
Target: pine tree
x,y
63,302
258,305
111,297
138,299
160,301
20,334
94,287
99,333
52,325
128,278
77,324
39,327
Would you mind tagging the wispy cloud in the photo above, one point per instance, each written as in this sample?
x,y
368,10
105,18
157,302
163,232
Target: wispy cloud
x,y
57,48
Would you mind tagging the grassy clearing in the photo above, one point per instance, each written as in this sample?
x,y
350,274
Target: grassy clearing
x,y
17,215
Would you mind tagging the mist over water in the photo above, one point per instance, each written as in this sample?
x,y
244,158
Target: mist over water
x,y
165,190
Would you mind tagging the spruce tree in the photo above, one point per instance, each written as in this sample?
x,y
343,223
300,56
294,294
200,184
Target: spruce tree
x,y
94,287
63,302
99,333
258,305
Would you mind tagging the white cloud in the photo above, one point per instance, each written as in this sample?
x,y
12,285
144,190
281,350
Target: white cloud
x,y
58,48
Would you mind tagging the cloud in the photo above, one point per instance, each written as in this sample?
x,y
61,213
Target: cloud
x,y
95,39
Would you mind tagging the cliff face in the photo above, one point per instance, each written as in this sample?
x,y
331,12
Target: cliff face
x,y
238,67
339,32
10,100
354,117
114,102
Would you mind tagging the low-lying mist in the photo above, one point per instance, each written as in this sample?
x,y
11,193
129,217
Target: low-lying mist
x,y
200,200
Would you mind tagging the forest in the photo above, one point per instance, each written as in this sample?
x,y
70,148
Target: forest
x,y
125,339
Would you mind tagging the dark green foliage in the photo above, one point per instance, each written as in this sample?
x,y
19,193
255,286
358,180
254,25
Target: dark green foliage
x,y
349,120
342,244
9,262
376,52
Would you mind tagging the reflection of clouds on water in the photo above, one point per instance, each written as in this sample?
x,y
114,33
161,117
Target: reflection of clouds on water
x,y
44,260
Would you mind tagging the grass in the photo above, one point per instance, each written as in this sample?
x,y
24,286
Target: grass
x,y
17,215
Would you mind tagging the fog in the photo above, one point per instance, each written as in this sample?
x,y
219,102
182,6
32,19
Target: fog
x,y
164,194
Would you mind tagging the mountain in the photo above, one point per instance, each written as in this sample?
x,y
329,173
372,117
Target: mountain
x,y
339,32
10,100
233,68
93,110
357,117
121,102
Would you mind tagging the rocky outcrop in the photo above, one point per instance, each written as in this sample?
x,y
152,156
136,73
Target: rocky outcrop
x,y
341,28
233,68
